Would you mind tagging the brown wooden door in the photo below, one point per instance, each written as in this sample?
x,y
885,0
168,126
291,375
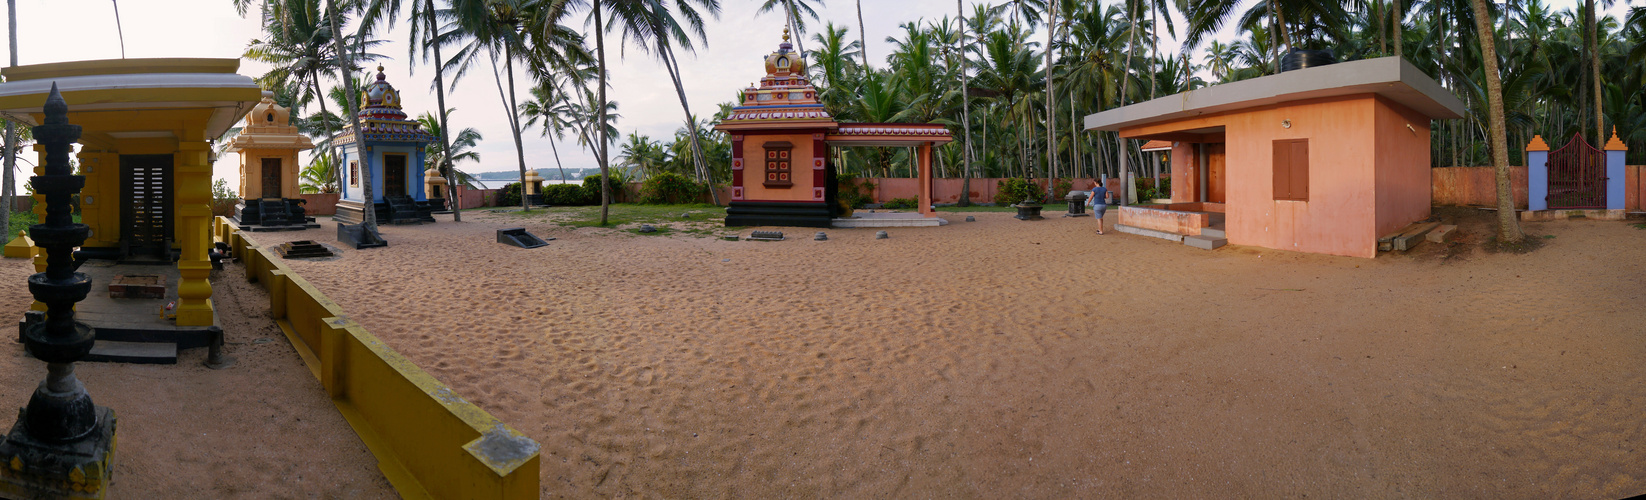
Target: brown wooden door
x,y
145,213
271,178
394,175
1216,185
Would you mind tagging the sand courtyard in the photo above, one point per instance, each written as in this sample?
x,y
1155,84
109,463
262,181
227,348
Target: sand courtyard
x,y
996,358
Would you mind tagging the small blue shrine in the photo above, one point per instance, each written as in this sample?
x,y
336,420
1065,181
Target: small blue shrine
x,y
393,154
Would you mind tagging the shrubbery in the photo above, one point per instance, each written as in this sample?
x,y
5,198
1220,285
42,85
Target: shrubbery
x,y
854,192
669,188
509,196
1013,191
901,203
223,199
591,185
568,195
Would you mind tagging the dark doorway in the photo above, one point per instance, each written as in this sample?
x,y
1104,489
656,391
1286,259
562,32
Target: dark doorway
x,y
394,175
145,214
271,178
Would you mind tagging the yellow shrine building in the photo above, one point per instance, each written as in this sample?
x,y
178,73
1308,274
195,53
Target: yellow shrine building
x,y
268,145
145,152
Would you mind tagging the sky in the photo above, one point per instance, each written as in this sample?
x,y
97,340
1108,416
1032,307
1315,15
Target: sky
x,y
73,30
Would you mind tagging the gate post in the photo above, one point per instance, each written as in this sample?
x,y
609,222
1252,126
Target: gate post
x,y
1537,175
1616,177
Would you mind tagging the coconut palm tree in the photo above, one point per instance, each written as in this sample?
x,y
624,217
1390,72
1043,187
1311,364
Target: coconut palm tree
x,y
657,34
1508,227
462,144
792,10
299,45
550,106
497,29
9,187
320,176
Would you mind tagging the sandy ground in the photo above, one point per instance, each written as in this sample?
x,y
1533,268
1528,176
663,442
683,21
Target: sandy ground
x,y
1002,359
260,429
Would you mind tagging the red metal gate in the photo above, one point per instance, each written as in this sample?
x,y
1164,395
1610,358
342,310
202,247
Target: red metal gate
x,y
1577,176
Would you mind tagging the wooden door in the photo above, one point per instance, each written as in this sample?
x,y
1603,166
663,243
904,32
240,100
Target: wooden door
x,y
271,178
145,214
394,175
1216,185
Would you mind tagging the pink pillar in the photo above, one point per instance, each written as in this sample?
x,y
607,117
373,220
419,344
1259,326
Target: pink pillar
x,y
926,180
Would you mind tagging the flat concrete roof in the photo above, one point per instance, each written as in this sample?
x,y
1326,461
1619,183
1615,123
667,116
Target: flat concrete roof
x,y
1390,77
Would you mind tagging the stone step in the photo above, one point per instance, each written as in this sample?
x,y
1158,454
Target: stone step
x,y
113,351
1204,242
1213,232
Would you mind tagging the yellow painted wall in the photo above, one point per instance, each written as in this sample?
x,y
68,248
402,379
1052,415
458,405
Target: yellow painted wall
x,y
754,168
429,442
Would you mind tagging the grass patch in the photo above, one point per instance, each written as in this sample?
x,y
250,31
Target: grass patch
x,y
20,221
630,213
1641,225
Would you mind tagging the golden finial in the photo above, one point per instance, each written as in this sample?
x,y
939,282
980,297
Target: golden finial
x,y
785,34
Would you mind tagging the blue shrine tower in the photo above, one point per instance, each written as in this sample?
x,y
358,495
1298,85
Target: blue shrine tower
x,y
393,147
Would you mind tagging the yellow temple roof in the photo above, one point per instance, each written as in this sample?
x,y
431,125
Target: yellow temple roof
x,y
268,126
133,84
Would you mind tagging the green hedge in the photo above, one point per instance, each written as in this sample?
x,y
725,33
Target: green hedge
x,y
670,188
568,195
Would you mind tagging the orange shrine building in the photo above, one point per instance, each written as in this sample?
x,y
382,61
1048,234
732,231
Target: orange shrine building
x,y
781,134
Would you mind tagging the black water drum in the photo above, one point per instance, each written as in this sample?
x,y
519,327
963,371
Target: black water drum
x,y
1299,59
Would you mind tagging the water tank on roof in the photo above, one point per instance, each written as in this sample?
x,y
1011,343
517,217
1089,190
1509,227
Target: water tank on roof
x,y
1299,59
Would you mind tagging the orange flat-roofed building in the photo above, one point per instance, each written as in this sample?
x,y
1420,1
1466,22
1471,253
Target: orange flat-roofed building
x,y
1319,160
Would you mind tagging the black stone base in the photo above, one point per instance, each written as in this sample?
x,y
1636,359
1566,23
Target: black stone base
x,y
756,213
1028,212
357,236
77,469
393,211
273,214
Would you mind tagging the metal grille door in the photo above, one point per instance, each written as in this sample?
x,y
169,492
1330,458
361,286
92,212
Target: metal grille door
x,y
146,193
1577,176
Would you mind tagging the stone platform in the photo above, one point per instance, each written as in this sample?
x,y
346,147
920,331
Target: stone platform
x,y
131,330
888,219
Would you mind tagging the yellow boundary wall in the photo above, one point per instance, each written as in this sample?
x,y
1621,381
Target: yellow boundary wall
x,y
429,442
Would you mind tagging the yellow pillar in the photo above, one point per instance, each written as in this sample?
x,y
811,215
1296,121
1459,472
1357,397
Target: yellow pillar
x,y
39,210
191,180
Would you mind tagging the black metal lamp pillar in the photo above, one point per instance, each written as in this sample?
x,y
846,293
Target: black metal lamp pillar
x,y
62,444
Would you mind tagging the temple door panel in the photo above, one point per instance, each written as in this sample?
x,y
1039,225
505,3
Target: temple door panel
x,y
394,175
145,214
271,178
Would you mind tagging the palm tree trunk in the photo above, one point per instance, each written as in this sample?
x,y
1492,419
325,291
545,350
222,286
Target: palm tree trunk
x,y
600,123
691,124
556,150
1051,97
1508,227
440,100
1274,35
345,69
863,38
1594,73
514,124
331,141
9,177
965,113
1154,46
794,26
1395,18
1126,79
